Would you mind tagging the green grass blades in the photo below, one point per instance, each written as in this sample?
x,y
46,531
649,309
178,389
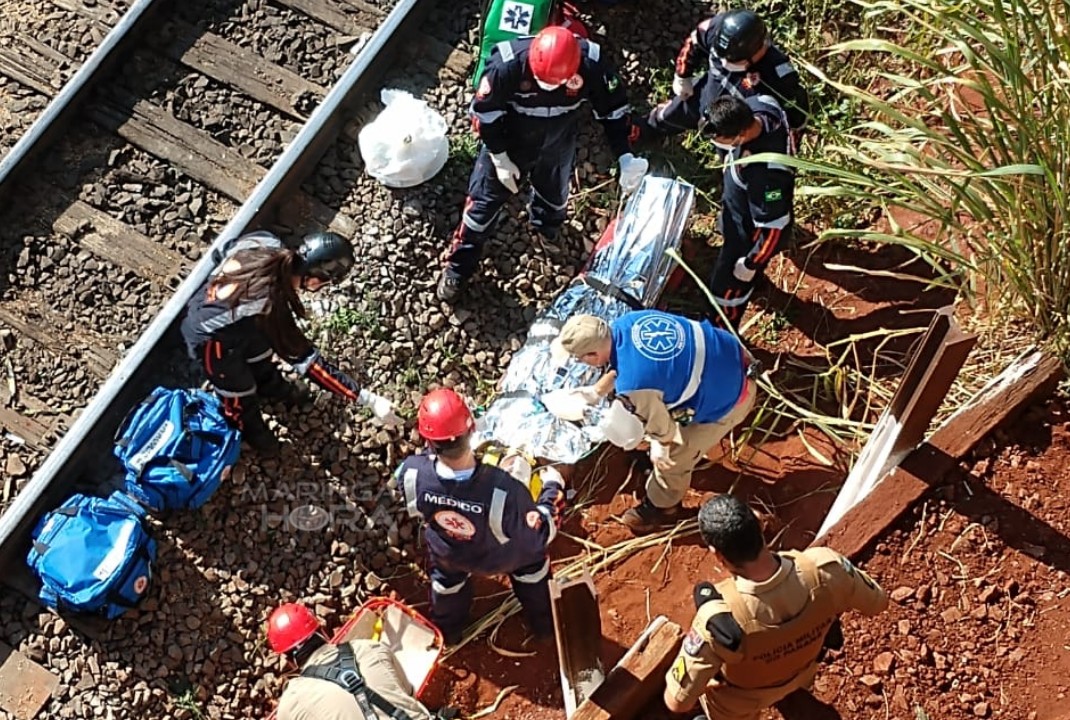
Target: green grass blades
x,y
962,137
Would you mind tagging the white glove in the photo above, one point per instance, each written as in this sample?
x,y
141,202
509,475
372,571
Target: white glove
x,y
508,172
659,455
683,87
632,170
549,474
742,272
589,394
381,408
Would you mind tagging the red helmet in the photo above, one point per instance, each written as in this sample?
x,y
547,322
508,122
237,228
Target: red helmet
x,y
289,626
554,55
443,415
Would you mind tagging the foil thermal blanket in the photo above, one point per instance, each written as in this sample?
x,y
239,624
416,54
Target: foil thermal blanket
x,y
628,272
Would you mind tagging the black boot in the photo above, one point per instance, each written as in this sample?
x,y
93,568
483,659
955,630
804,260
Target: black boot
x,y
255,431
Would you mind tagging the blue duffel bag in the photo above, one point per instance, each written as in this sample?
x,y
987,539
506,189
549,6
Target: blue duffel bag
x,y
176,447
93,555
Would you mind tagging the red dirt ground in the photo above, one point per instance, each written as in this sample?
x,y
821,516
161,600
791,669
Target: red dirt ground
x,y
782,477
981,625
655,581
981,622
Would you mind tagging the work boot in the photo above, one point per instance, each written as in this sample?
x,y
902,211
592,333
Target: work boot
x,y
257,434
450,288
646,518
290,394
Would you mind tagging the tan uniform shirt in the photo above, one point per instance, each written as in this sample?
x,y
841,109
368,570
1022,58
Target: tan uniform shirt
x,y
316,699
772,602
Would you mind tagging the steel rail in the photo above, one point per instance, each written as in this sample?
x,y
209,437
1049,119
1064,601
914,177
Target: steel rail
x,y
50,124
92,432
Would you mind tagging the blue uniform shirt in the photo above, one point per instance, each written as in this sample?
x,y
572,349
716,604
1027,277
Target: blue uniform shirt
x,y
485,524
695,365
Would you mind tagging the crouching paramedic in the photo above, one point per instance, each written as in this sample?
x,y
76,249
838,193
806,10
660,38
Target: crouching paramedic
x,y
664,363
757,636
479,519
356,680
246,312
757,216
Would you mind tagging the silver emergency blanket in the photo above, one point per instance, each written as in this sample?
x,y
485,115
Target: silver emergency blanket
x,y
631,270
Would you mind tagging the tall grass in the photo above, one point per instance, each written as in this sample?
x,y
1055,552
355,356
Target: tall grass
x,y
963,140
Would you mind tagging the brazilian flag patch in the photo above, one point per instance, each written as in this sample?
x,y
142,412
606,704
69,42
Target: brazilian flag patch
x,y
774,195
612,83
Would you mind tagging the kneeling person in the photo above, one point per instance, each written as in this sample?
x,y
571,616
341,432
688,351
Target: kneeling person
x,y
478,519
357,680
758,635
664,363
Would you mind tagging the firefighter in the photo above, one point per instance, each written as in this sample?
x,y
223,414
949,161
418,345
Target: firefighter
x,y
246,311
478,519
527,114
664,364
356,680
756,203
757,636
740,61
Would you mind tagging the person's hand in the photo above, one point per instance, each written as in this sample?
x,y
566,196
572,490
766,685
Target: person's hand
x,y
683,87
743,271
589,393
632,170
507,171
549,474
659,455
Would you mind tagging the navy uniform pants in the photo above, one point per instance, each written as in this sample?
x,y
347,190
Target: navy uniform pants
x,y
239,373
547,163
677,115
451,597
738,229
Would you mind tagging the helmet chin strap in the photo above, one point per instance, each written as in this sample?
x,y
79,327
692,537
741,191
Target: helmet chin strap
x,y
549,87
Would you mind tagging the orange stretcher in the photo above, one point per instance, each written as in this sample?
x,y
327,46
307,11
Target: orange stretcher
x,y
414,641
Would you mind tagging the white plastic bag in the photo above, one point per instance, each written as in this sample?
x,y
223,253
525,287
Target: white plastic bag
x,y
406,144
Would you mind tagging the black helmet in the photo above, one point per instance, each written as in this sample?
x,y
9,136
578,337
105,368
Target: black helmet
x,y
740,36
325,256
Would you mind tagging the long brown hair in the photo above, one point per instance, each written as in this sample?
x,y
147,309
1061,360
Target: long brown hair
x,y
267,274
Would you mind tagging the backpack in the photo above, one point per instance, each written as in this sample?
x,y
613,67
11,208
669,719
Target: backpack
x,y
509,20
176,447
93,555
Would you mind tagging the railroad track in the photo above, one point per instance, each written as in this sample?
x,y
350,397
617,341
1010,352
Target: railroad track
x,y
191,122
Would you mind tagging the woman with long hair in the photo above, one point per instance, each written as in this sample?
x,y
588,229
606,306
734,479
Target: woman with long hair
x,y
248,310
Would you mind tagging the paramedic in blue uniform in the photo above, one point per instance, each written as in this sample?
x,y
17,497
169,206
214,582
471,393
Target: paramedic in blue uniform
x,y
739,60
527,114
756,203
478,519
666,367
246,312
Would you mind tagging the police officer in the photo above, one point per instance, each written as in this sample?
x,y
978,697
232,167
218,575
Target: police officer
x,y
357,680
740,61
245,312
526,111
664,364
757,635
478,519
756,204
